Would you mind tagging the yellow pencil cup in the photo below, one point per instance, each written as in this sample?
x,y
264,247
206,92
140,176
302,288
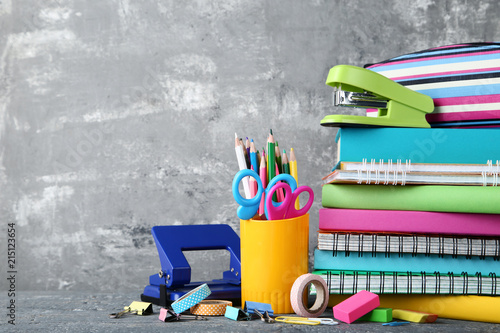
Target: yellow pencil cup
x,y
273,255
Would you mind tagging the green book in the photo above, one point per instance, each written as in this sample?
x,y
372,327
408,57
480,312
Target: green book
x,y
434,198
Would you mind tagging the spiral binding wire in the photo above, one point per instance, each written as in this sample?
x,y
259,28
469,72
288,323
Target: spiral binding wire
x,y
396,173
363,243
444,283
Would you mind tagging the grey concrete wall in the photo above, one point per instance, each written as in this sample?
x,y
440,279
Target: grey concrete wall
x,y
119,115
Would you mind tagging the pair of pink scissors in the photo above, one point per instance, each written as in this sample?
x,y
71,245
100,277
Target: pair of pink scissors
x,y
286,209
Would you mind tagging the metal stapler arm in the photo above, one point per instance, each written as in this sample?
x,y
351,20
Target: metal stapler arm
x,y
397,105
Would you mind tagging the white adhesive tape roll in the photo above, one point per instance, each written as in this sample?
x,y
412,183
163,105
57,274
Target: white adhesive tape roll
x,y
298,291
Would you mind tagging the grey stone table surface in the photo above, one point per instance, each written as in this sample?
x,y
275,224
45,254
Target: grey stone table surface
x,y
67,311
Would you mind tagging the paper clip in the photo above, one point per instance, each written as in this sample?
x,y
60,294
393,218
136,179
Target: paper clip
x,y
138,308
306,321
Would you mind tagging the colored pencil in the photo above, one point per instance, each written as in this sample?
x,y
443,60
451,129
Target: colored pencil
x,y
240,155
294,173
278,156
271,158
253,157
286,165
280,194
252,183
263,179
247,146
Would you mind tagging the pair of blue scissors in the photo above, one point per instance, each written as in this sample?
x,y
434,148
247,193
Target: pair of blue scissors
x,y
274,210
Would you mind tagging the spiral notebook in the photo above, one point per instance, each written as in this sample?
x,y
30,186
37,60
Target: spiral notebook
x,y
396,244
388,282
340,260
407,221
406,173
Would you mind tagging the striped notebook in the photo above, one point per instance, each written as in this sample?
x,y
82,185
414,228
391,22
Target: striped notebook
x,y
463,80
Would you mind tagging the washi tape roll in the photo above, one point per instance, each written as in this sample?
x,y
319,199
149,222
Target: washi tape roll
x,y
211,308
298,291
191,298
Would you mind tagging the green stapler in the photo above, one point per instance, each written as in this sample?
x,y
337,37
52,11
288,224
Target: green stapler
x,y
358,87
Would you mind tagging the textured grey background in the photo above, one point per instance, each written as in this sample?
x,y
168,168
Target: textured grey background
x,y
119,115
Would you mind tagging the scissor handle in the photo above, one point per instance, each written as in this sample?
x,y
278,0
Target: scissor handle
x,y
248,207
281,177
292,212
278,212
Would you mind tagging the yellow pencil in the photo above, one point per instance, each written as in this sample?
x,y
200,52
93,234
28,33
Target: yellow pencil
x,y
293,171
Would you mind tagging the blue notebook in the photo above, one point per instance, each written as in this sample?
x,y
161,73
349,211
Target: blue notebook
x,y
419,145
325,260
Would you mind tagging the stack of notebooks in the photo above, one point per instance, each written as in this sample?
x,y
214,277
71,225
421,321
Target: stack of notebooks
x,y
413,215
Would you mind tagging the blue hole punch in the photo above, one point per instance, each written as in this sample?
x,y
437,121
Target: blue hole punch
x,y
174,278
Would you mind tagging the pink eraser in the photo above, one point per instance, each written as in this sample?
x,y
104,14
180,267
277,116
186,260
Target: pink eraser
x,y
356,306
163,314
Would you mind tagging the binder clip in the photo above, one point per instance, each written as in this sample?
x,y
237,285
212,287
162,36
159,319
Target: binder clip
x,y
168,315
236,314
174,279
358,87
250,307
138,308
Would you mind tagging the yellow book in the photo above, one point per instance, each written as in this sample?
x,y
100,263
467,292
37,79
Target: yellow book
x,y
462,307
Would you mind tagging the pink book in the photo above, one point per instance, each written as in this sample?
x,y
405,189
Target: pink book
x,y
470,224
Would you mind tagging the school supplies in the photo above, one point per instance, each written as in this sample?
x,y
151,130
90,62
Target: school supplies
x,y
407,173
294,172
252,307
410,178
396,323
240,155
356,306
380,315
210,307
447,223
418,145
273,210
370,243
271,157
137,308
391,282
373,166
273,254
236,314
168,315
397,105
463,307
306,321
436,198
404,262
191,298
298,291
414,316
462,79
174,279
